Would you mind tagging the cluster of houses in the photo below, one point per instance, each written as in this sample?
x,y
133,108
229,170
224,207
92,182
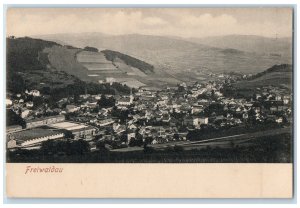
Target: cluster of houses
x,y
157,116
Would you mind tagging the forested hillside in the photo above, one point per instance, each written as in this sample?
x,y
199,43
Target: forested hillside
x,y
28,67
141,65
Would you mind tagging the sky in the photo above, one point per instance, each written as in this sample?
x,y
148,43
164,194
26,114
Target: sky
x,y
181,22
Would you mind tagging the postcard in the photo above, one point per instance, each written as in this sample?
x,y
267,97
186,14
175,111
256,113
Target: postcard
x,y
149,102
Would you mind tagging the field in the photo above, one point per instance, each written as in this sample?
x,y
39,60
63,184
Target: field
x,y
100,68
96,62
62,59
93,66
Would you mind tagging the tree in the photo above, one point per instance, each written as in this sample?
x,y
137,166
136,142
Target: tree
x,y
148,140
69,135
98,137
101,146
38,101
123,137
92,49
139,140
180,88
131,142
176,136
106,102
13,119
80,147
77,147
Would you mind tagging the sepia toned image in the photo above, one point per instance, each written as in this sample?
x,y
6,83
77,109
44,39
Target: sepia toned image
x,y
149,85
149,102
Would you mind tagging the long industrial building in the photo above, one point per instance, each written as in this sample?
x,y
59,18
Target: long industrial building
x,y
32,137
77,129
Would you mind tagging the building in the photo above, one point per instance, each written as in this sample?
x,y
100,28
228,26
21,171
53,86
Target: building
x,y
13,128
130,135
203,120
34,93
198,121
71,108
84,133
8,102
196,109
110,80
166,118
24,113
279,120
125,101
286,100
29,104
32,123
78,130
32,137
105,122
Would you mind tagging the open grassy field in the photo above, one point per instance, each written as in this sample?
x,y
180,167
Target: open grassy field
x,y
100,68
63,59
96,62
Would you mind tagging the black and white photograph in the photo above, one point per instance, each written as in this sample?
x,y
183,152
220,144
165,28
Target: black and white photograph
x,y
149,85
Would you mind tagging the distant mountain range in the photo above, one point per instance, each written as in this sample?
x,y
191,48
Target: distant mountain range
x,y
175,56
250,43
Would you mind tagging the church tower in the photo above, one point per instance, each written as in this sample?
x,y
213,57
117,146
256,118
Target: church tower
x,y
131,96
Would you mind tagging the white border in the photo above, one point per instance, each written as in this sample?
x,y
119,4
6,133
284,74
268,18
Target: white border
x,y
217,3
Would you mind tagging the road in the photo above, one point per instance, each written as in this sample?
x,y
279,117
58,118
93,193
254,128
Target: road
x,y
212,141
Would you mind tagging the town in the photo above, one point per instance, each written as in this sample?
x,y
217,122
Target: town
x,y
148,116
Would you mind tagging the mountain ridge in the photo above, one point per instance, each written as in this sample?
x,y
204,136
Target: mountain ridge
x,y
175,55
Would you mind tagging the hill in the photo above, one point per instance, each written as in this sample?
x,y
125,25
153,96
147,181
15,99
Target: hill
x,y
98,66
281,69
28,66
26,53
50,68
277,75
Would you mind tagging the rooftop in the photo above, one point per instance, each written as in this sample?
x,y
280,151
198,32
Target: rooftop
x,y
68,126
33,133
44,118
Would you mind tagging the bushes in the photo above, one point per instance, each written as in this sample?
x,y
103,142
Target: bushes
x,y
92,49
13,119
68,147
106,102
